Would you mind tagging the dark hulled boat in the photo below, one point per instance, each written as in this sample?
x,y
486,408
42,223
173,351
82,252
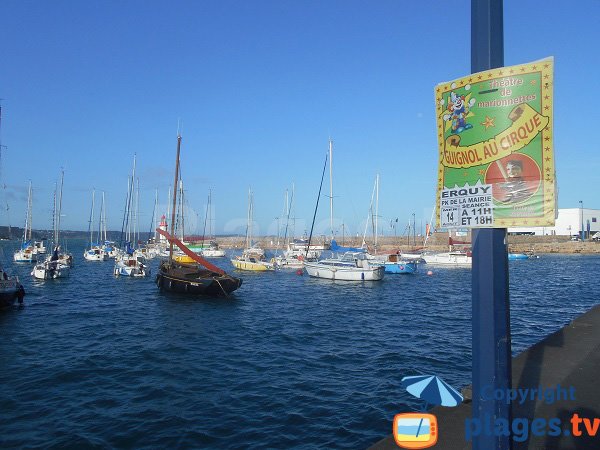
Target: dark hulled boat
x,y
202,278
10,290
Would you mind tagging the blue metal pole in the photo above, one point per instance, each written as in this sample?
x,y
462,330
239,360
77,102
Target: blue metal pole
x,y
490,297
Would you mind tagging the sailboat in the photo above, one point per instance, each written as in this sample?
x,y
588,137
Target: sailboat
x,y
58,264
211,250
198,278
459,255
29,250
296,252
252,258
131,262
392,263
353,265
95,252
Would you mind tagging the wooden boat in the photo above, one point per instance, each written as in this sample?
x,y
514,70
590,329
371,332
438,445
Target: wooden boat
x,y
198,279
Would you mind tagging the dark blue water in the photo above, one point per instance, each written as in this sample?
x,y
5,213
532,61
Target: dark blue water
x,y
288,361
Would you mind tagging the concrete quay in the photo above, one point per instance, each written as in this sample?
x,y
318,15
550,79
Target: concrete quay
x,y
569,358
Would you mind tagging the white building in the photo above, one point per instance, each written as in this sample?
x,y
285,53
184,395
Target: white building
x,y
570,221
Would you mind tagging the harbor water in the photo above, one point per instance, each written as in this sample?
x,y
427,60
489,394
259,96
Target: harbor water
x,y
94,361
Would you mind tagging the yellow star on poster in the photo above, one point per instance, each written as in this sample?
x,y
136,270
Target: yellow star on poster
x,y
489,122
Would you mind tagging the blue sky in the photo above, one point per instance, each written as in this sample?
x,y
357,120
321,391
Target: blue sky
x,y
260,87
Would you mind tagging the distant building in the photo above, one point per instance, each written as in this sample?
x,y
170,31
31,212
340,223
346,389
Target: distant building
x,y
570,222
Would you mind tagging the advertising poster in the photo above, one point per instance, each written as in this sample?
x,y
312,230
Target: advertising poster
x,y
496,156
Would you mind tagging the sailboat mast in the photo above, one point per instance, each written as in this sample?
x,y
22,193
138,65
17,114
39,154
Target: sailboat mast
x,y
376,211
62,179
249,228
102,221
54,218
181,212
174,195
154,218
331,186
27,230
91,221
206,219
210,225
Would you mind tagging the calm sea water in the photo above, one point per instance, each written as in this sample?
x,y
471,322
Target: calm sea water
x,y
288,361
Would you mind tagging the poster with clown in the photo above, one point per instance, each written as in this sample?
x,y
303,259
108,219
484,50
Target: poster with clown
x,y
495,146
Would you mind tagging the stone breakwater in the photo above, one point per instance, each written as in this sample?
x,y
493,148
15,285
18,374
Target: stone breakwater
x,y
438,242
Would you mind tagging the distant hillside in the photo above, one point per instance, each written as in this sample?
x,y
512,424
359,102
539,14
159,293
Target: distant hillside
x,y
16,233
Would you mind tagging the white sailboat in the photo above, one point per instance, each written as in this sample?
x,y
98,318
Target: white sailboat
x,y
131,263
95,252
295,254
352,265
252,258
58,264
212,250
459,255
30,250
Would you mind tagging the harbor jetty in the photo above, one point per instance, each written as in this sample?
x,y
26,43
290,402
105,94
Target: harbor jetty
x,y
569,360
438,242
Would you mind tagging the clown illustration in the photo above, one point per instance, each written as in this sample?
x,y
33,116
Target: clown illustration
x,y
458,108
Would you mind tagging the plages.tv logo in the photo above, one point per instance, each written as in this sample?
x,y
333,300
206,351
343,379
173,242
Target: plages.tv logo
x,y
415,430
420,429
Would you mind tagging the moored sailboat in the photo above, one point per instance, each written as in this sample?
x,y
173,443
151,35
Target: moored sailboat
x,y
353,265
198,279
131,262
59,263
30,249
252,258
96,251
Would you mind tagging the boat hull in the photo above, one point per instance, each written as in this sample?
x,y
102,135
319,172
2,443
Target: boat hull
x,y
48,272
196,282
448,259
91,256
400,267
517,256
207,253
260,266
342,273
10,292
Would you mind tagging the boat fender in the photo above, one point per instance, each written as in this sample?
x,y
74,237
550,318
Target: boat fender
x,y
401,267
159,281
170,284
187,287
362,276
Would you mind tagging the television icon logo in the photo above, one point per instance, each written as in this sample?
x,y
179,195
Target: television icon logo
x,y
415,430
